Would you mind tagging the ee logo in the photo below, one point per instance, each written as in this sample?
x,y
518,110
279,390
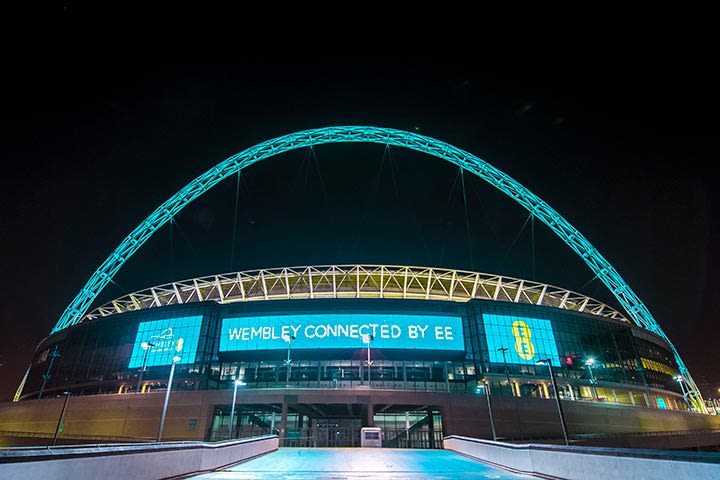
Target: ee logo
x,y
523,345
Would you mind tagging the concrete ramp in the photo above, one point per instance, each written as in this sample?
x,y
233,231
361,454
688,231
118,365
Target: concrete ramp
x,y
361,463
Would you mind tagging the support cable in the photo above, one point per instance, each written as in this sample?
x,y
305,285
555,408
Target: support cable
x,y
484,209
370,199
305,169
448,209
582,289
184,237
517,236
393,175
237,201
532,244
172,254
324,189
467,220
317,169
124,290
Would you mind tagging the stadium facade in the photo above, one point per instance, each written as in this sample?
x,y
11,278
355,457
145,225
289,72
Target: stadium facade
x,y
315,353
425,330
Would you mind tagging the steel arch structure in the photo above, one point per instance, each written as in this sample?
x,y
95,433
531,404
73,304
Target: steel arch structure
x,y
627,298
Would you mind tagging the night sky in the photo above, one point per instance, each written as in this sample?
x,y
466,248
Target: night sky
x,y
618,139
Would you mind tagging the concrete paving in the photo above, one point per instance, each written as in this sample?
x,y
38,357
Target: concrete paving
x,y
361,464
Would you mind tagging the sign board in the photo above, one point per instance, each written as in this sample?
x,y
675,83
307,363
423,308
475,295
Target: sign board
x,y
342,330
165,339
527,340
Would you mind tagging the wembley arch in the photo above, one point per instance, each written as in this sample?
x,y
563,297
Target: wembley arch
x,y
635,308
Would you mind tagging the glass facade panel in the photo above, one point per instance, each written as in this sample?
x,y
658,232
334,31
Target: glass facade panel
x,y
629,366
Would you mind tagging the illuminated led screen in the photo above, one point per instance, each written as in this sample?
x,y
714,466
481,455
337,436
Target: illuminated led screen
x,y
527,339
342,330
165,335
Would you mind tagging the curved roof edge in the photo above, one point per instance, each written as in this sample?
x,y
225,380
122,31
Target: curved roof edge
x,y
355,281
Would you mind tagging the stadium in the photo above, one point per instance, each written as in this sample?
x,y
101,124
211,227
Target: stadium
x,y
315,353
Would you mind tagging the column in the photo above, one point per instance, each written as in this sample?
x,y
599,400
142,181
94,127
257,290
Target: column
x,y
370,413
431,428
447,380
283,422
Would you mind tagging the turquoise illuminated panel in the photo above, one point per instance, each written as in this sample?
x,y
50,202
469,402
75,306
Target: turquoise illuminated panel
x,y
342,330
165,335
527,339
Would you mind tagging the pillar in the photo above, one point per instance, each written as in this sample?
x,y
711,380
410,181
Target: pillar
x,y
431,428
370,413
283,423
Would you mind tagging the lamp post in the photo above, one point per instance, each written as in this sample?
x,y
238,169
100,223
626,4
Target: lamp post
x,y
486,387
288,339
590,362
507,374
368,339
557,398
146,346
167,396
237,383
59,427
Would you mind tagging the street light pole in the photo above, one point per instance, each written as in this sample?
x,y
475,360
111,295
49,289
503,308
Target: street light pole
x,y
232,408
557,398
486,387
590,362
146,346
167,396
288,339
507,374
367,339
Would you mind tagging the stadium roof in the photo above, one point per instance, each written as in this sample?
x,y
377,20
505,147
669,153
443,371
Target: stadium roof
x,y
355,281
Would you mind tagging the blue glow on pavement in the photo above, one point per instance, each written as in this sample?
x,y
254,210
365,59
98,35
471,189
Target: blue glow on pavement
x,y
352,463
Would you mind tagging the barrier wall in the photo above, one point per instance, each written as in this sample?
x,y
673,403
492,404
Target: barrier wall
x,y
136,418
589,463
136,461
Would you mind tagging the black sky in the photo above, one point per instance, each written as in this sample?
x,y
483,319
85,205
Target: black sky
x,y
619,139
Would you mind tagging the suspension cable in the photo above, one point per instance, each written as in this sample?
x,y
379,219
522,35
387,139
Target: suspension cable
x,y
517,236
408,205
172,254
237,199
532,243
467,220
371,196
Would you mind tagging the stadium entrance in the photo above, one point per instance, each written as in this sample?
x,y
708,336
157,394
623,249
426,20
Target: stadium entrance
x,y
331,425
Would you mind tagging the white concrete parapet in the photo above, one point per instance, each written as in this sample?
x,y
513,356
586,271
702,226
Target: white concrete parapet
x,y
137,461
589,463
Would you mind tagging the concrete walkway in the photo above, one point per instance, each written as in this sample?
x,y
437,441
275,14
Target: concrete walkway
x,y
361,464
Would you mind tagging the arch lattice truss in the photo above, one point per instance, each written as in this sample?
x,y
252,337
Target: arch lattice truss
x,y
356,281
635,308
